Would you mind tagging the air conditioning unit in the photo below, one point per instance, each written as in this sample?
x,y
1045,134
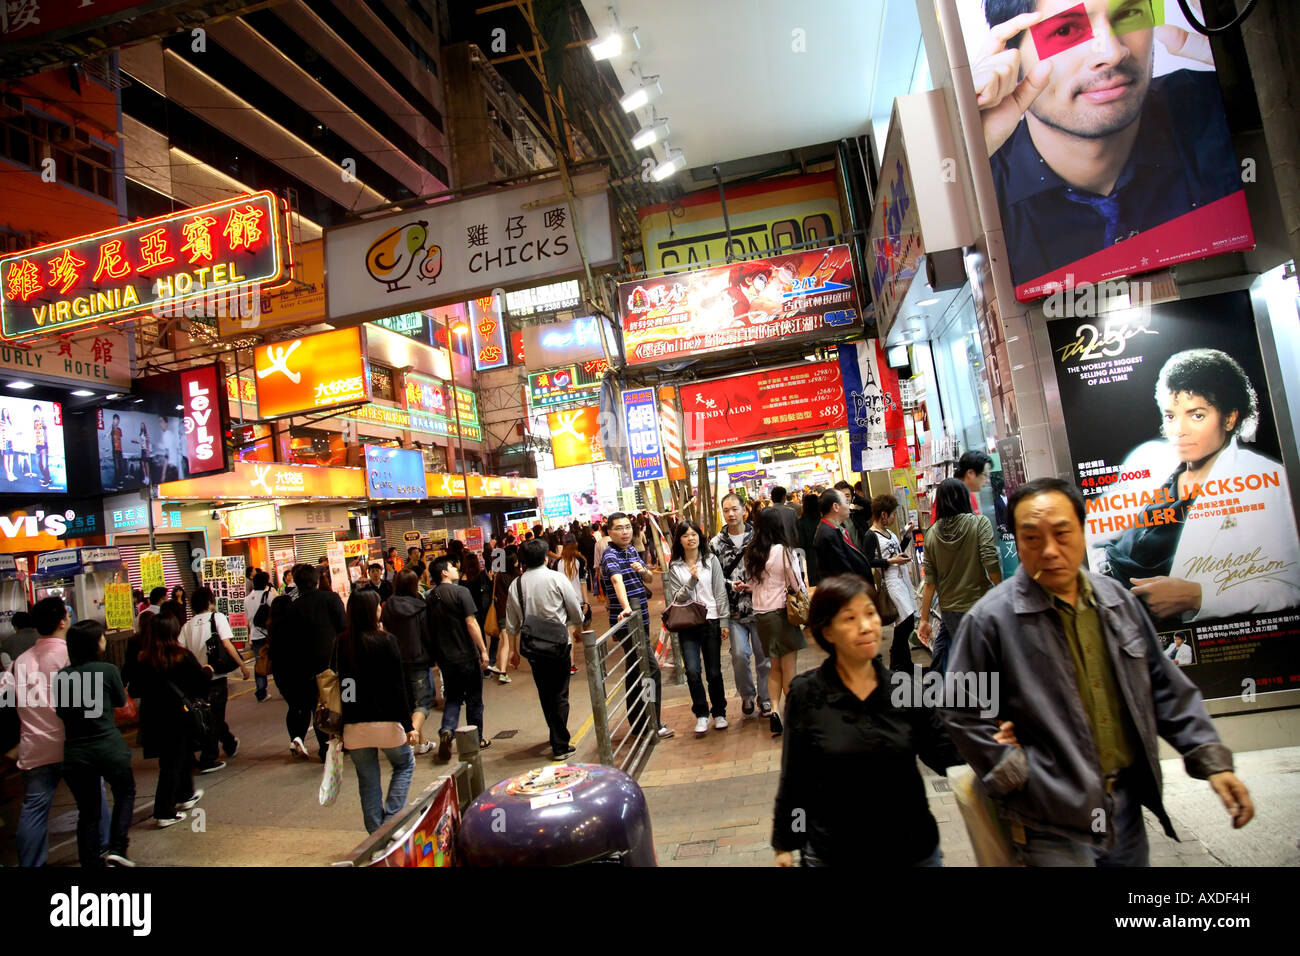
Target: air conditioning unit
x,y
78,141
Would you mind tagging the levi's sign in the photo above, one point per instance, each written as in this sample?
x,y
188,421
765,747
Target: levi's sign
x,y
135,268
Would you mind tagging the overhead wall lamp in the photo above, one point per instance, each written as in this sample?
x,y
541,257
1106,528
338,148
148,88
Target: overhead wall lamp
x,y
651,133
674,161
643,95
614,44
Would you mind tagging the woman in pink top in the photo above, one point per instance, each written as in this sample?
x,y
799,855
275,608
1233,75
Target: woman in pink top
x,y
769,571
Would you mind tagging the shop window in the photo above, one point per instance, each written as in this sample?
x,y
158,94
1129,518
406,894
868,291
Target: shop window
x,y
312,446
381,383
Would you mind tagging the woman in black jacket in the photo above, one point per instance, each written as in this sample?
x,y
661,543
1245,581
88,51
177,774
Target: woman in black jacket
x,y
404,617
807,526
377,715
163,672
294,670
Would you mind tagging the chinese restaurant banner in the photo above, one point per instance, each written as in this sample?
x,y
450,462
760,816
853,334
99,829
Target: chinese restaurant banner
x,y
575,436
311,373
791,297
641,419
145,265
875,408
1188,502
758,407
1123,163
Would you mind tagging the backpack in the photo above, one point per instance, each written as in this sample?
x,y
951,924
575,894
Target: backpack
x,y
218,659
540,640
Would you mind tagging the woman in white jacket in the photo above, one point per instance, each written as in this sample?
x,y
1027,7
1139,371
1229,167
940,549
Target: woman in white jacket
x,y
695,573
1220,538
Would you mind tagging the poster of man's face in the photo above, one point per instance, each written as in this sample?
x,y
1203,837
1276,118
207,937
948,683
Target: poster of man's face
x,y
1107,138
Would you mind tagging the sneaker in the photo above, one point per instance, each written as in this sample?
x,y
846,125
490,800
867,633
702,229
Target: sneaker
x,y
234,749
775,723
573,668
165,822
720,723
297,748
504,678
219,765
484,745
765,709
701,725
186,805
564,754
444,745
424,748
665,732
116,859
747,707
494,670
263,699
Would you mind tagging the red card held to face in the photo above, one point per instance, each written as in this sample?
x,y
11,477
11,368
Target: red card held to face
x,y
1061,31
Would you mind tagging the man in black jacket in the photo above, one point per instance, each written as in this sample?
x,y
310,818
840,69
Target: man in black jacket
x,y
836,554
322,619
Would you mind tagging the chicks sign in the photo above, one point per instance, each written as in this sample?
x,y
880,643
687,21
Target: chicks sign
x,y
129,270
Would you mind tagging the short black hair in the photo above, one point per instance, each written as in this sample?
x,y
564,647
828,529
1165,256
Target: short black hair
x,y
83,641
201,600
1216,377
828,499
440,566
952,498
306,577
616,516
373,565
1041,486
843,486
48,614
974,460
829,599
261,581
157,595
1000,11
533,554
778,494
21,620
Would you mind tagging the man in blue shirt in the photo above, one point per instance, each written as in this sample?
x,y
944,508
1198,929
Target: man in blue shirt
x,y
1087,149
625,580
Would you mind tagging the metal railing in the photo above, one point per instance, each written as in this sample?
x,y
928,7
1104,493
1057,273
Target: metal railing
x,y
623,697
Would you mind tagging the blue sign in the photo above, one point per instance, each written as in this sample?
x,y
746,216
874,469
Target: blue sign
x,y
641,412
734,458
395,473
558,506
58,564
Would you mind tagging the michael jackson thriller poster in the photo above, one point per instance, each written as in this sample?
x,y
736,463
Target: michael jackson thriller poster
x,y
1176,450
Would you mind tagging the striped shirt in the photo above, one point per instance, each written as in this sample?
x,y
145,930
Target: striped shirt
x,y
618,560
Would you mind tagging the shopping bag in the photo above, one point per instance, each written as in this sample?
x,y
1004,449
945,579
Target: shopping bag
x,y
129,712
490,626
333,776
263,666
990,837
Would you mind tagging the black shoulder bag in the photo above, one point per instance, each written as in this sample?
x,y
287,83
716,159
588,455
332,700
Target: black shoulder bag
x,y
263,611
540,640
218,659
198,716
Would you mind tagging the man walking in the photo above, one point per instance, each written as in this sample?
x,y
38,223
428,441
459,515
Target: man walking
x,y
204,627
788,516
547,596
375,582
458,644
626,581
728,545
259,597
318,619
836,553
1085,685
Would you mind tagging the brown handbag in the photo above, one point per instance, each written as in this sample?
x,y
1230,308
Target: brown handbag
x,y
684,615
796,600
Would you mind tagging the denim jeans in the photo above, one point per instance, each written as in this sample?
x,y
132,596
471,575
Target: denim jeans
x,y
463,684
374,808
744,645
218,695
942,648
85,783
1130,848
418,679
39,784
259,680
635,687
704,642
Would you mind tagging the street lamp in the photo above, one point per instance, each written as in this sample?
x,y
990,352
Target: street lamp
x,y
460,329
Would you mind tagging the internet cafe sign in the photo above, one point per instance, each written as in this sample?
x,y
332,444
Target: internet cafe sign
x,y
154,264
459,250
104,357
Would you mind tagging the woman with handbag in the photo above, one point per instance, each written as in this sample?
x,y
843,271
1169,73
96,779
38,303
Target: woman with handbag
x,y
172,688
405,617
377,715
499,649
779,592
697,611
257,608
574,567
896,587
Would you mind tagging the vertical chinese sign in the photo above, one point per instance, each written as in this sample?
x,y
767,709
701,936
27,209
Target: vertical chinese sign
x,y
641,414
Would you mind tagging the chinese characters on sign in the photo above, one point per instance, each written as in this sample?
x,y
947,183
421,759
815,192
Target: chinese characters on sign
x,y
151,571
488,332
317,371
570,385
642,415
759,406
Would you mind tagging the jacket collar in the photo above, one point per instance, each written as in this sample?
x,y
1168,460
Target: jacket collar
x,y
837,693
1030,597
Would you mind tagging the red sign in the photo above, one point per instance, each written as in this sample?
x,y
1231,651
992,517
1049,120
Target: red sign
x,y
763,406
204,425
517,347
796,296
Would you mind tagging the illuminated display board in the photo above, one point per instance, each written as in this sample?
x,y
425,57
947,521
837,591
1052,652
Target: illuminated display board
x,y
150,264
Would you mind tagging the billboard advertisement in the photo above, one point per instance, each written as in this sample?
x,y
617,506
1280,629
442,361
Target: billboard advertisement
x,y
314,372
875,408
395,473
31,445
570,385
1188,503
567,343
760,407
132,269
641,418
787,298
1114,156
575,436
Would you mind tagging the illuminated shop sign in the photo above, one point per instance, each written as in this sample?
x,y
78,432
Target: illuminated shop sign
x,y
311,373
152,263
489,333
555,297
393,473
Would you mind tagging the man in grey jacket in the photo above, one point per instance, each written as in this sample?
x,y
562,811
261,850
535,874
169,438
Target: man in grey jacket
x,y
1084,683
548,595
728,545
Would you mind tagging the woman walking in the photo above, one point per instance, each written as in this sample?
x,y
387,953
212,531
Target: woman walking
x,y
405,617
499,649
809,520
848,736
165,677
378,715
93,748
696,573
896,581
574,567
961,563
769,573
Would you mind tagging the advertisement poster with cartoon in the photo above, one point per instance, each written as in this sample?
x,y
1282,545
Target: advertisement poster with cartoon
x,y
1188,502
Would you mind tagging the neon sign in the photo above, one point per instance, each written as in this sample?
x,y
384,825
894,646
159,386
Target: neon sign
x,y
129,270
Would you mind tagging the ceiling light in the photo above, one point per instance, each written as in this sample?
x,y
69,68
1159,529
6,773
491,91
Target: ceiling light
x,y
676,161
927,302
21,386
650,134
180,408
83,393
614,44
111,395
643,95
138,401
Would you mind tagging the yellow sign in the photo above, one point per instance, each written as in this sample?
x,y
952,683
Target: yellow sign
x,y
117,606
151,571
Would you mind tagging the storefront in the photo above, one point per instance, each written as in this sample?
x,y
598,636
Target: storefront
x,y
184,533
